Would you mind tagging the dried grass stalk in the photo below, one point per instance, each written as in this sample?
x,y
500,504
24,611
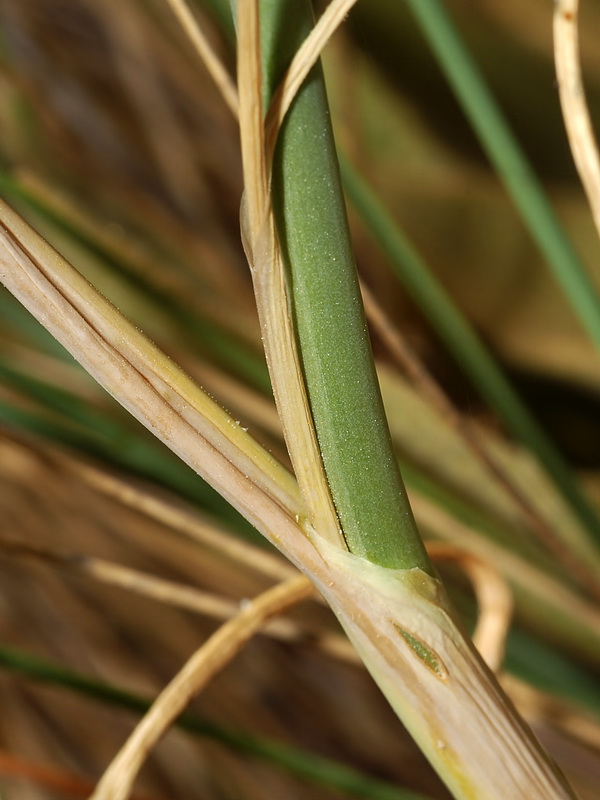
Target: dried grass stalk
x,y
573,103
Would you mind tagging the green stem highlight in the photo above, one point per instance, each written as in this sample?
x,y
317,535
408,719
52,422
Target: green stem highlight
x,y
345,400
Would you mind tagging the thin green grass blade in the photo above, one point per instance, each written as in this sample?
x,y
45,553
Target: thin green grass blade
x,y
68,420
470,352
14,319
510,162
551,671
322,771
221,11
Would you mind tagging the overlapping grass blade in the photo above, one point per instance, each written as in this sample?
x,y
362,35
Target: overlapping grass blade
x,y
509,160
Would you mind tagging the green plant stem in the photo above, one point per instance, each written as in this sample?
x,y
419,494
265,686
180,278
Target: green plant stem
x,y
321,771
508,158
345,400
468,349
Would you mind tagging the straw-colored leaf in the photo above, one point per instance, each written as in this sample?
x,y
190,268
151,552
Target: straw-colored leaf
x,y
268,275
154,389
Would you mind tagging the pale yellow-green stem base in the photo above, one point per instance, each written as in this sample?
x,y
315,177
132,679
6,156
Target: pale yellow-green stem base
x,y
401,624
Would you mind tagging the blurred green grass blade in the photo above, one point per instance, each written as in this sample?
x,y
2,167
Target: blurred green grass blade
x,y
92,431
134,456
469,351
221,11
15,319
509,160
316,769
345,400
551,670
467,511
217,343
76,410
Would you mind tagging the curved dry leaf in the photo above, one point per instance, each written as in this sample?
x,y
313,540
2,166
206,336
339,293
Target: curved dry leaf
x,y
573,103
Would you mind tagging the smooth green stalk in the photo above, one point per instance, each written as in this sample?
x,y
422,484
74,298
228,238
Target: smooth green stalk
x,y
342,385
469,350
509,160
318,770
